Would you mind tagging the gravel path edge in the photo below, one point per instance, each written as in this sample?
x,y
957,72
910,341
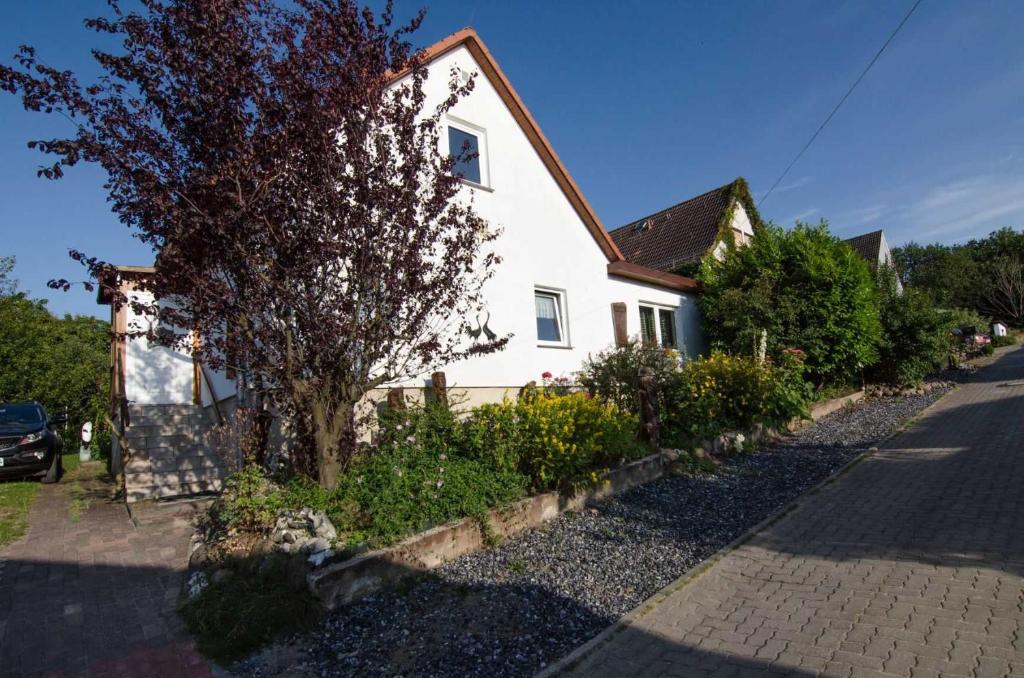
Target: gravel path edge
x,y
586,649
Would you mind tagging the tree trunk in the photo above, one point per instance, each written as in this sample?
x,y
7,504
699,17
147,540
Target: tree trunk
x,y
335,436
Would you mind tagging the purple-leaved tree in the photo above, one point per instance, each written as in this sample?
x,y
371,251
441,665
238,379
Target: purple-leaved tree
x,y
303,216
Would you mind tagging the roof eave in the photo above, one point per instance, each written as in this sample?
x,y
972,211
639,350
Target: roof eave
x,y
679,283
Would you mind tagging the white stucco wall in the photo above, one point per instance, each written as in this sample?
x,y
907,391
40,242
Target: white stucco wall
x,y
154,375
544,243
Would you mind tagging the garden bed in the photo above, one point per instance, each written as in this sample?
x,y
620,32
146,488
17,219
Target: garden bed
x,y
512,609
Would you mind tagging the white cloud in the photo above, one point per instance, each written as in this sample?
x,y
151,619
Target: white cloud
x,y
801,216
965,208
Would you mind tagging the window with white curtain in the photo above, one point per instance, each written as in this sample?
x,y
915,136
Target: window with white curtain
x,y
550,313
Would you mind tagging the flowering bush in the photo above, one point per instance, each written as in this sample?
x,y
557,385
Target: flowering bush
x,y
614,374
555,439
726,393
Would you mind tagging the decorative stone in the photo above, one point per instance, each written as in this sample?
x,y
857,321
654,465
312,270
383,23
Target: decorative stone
x,y
196,584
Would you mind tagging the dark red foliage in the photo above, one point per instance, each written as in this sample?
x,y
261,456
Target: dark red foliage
x,y
303,215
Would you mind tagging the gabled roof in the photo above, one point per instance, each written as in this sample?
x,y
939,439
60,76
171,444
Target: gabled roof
x,y
867,245
675,235
468,37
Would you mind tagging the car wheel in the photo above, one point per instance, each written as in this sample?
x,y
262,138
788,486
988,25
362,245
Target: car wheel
x,y
54,472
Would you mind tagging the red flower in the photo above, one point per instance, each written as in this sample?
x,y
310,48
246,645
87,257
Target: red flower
x,y
546,375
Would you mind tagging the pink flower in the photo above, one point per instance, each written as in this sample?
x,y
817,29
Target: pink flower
x,y
562,380
545,375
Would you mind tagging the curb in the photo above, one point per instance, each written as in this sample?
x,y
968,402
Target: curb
x,y
570,660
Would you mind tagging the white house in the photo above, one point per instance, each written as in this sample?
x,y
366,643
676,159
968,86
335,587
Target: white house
x,y
563,289
998,329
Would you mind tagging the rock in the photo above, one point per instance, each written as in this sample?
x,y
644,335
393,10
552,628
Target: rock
x,y
196,584
222,575
316,545
317,559
200,557
289,537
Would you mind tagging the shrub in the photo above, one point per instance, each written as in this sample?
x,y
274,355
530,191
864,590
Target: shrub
x,y
725,393
614,374
250,501
801,287
988,349
555,440
1005,340
914,337
565,439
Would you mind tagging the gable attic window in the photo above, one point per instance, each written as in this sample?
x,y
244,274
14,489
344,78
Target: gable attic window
x,y
468,144
549,305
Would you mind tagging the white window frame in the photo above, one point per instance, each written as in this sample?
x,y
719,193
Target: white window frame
x,y
657,321
482,149
561,308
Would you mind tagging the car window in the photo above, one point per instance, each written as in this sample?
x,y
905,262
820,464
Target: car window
x,y
20,415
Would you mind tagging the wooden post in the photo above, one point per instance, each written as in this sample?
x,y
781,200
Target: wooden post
x,y
440,384
396,398
649,427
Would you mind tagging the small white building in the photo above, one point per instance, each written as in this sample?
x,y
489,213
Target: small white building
x,y
998,330
563,289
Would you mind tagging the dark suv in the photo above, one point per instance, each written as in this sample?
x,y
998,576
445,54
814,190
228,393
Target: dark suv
x,y
28,444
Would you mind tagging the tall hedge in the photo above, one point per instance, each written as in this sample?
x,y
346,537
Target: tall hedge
x,y
805,289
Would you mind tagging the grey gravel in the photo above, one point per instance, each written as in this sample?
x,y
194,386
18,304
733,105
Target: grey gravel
x,y
510,610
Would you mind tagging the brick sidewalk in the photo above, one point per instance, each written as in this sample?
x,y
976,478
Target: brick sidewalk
x,y
912,564
94,597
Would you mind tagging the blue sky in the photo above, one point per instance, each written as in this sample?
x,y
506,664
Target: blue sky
x,y
649,103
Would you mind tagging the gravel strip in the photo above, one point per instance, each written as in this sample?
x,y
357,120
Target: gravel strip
x,y
510,610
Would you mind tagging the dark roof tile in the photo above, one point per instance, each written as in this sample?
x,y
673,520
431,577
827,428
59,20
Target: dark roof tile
x,y
867,246
674,236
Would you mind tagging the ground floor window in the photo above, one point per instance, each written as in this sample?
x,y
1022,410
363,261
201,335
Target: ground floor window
x,y
658,326
550,313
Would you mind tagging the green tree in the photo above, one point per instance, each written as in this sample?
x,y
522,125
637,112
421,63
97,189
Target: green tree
x,y
60,362
915,335
803,289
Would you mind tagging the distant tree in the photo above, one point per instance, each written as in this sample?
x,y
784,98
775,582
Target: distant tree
x,y
981,274
7,284
304,218
60,362
805,289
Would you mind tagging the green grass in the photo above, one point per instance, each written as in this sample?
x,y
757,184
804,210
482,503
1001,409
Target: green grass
x,y
15,501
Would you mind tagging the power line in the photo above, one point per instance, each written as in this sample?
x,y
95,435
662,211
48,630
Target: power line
x,y
839,105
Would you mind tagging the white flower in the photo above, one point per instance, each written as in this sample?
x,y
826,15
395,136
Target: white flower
x,y
439,484
411,439
443,457
441,470
398,427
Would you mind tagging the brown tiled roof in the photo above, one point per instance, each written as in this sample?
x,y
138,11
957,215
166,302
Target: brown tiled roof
x,y
867,245
674,236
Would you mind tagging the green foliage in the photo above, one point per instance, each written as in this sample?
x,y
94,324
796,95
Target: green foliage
x,y
233,618
566,440
723,393
915,335
250,501
1007,340
988,349
60,362
970,275
804,288
614,374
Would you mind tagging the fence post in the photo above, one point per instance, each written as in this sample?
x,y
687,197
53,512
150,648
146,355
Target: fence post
x,y
440,384
396,398
649,427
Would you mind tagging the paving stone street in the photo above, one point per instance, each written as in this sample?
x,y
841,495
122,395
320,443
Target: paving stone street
x,y
911,564
89,593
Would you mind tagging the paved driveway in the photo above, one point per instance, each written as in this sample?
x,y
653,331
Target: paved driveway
x,y
94,596
912,564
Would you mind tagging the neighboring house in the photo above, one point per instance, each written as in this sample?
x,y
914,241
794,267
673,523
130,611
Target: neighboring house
x,y
998,329
563,291
677,238
874,249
